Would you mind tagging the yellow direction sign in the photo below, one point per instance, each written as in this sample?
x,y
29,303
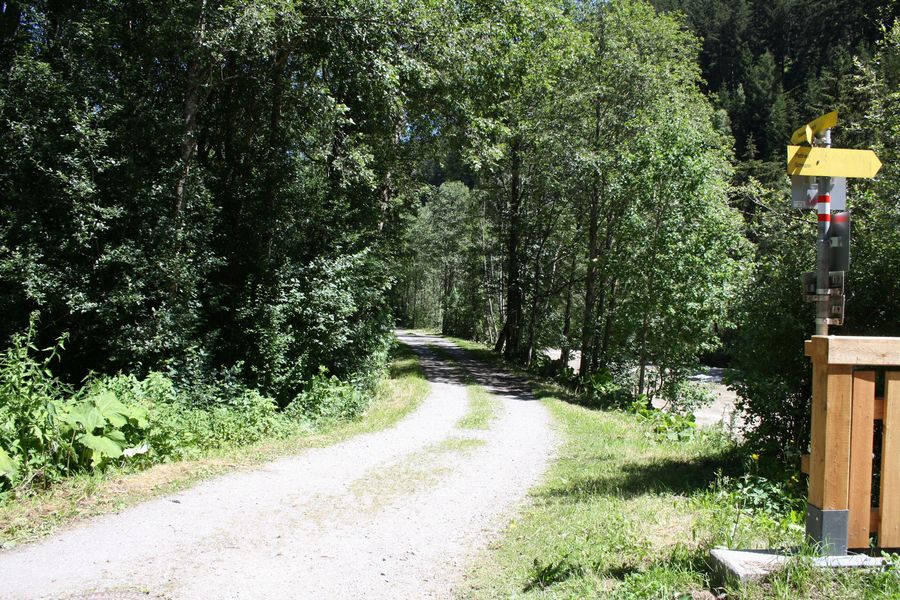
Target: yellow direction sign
x,y
832,162
808,131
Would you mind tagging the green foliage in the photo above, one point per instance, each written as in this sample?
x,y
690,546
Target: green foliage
x,y
195,188
327,398
594,209
30,437
765,63
228,200
685,397
664,425
608,391
99,428
445,279
756,509
774,384
48,430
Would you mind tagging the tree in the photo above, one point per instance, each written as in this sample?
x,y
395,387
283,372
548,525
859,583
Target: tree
x,y
206,186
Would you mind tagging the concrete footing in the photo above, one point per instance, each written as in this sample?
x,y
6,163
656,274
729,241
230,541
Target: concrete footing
x,y
746,566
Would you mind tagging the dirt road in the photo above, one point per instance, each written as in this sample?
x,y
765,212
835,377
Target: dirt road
x,y
394,514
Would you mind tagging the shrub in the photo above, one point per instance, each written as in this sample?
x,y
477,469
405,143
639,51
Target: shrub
x,y
30,439
48,430
329,399
100,428
180,426
607,391
685,397
664,425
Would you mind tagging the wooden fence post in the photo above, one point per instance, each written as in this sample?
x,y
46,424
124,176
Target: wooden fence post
x,y
829,466
889,502
862,432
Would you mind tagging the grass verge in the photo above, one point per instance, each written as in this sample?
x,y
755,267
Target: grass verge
x,y
483,407
625,514
26,519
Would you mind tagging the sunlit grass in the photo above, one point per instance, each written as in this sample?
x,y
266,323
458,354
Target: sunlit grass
x,y
623,514
483,408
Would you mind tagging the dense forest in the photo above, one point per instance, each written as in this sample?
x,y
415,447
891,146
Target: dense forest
x,y
640,212
215,200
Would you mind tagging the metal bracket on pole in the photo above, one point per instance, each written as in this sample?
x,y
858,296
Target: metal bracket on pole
x,y
812,293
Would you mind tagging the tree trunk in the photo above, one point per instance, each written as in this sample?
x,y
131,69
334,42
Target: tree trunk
x,y
643,360
603,304
501,339
587,324
189,111
608,322
513,325
566,350
534,313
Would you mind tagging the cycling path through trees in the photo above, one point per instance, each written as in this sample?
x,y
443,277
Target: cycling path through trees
x,y
393,514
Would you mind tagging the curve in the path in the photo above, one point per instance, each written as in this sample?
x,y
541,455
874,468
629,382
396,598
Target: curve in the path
x,y
393,514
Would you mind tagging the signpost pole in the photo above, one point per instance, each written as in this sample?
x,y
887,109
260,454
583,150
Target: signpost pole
x,y
827,515
822,267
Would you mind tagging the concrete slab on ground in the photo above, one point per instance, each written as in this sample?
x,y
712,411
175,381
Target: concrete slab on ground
x,y
748,566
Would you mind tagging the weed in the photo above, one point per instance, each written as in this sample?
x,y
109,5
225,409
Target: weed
x,y
666,426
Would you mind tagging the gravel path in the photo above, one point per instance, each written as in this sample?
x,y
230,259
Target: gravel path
x,y
393,514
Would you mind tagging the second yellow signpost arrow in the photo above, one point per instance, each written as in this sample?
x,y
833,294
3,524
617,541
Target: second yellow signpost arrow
x,y
814,128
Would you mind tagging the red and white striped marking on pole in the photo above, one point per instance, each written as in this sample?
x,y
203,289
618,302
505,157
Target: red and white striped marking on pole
x,y
824,208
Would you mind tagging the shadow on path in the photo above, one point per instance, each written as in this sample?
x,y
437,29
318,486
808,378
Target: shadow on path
x,y
466,370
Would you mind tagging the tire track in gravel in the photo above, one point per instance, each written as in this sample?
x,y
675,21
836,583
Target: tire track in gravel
x,y
393,514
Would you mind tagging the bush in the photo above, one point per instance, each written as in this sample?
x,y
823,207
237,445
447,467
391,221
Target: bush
x,y
329,399
607,391
30,438
685,397
180,427
756,509
100,428
664,425
48,430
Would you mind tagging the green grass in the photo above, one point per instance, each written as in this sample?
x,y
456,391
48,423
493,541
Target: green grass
x,y
460,445
622,514
614,517
483,407
31,517
410,474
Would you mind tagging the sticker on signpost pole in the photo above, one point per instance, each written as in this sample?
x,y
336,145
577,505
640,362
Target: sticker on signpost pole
x,y
805,192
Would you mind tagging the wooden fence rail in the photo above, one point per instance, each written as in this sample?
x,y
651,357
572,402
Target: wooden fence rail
x,y
845,411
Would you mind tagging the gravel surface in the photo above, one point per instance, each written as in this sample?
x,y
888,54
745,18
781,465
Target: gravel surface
x,y
394,514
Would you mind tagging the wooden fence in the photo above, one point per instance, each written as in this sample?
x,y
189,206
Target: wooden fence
x,y
845,415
